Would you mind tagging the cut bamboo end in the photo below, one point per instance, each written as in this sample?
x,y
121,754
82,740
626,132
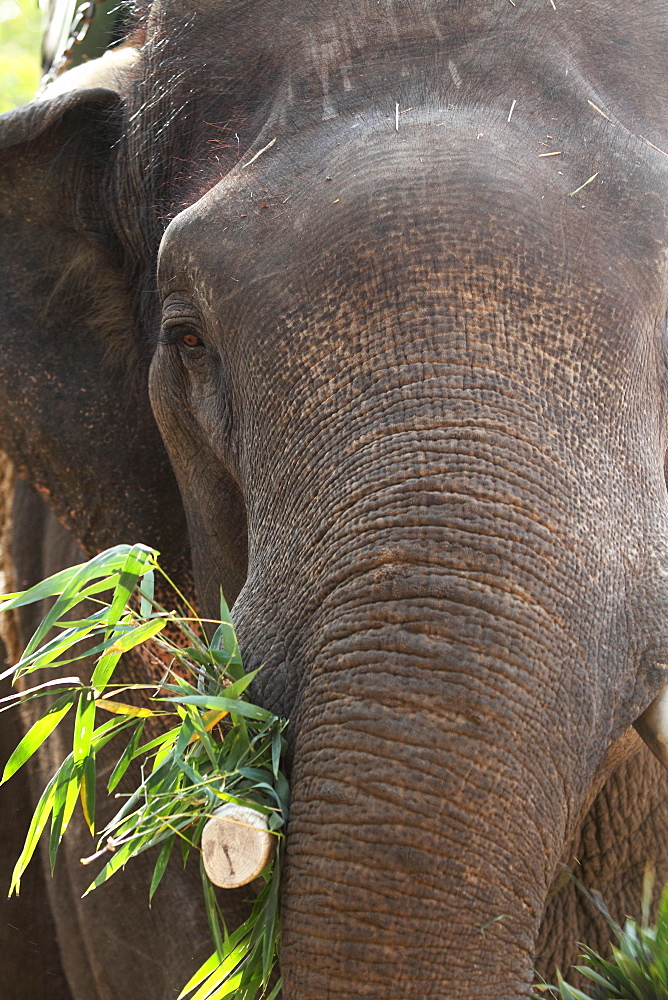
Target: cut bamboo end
x,y
236,845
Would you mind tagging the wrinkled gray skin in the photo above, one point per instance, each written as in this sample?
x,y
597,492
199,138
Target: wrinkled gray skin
x,y
414,396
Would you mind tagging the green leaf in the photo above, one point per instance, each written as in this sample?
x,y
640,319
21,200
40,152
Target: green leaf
x,y
39,690
204,971
47,654
205,740
185,770
237,688
84,724
212,912
64,802
230,705
203,658
277,747
126,758
103,564
270,929
160,866
136,561
108,730
107,664
236,949
595,977
147,593
662,923
37,734
163,776
165,738
50,587
123,708
185,851
276,990
39,820
229,987
569,992
167,747
88,779
283,792
118,860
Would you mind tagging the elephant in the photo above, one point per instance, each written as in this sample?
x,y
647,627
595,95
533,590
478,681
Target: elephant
x,y
359,312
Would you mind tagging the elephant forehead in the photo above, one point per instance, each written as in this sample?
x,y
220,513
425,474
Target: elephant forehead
x,y
459,204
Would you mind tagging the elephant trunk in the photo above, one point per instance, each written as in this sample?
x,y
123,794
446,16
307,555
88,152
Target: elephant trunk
x,y
441,700
424,834
439,751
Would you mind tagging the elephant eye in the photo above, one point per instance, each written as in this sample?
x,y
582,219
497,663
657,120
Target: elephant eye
x,y
183,337
191,340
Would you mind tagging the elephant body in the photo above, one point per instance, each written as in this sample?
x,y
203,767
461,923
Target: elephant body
x,y
359,311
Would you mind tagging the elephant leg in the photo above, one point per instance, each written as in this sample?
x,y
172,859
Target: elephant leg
x,y
30,963
29,956
625,827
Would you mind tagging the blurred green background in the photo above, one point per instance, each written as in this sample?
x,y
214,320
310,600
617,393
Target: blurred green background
x,y
20,41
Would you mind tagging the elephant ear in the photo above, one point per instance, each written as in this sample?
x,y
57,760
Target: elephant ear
x,y
74,411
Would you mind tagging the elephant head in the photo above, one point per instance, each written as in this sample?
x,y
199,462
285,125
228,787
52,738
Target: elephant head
x,y
410,375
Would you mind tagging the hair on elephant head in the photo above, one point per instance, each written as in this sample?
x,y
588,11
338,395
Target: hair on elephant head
x,y
359,310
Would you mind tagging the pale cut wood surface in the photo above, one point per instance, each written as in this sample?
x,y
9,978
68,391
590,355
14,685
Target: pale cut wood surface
x,y
236,845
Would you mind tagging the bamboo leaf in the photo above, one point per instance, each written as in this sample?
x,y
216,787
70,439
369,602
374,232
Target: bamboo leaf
x,y
276,990
203,658
39,820
569,992
134,637
64,802
270,930
118,860
165,738
125,759
228,988
39,690
277,747
108,730
121,708
211,719
201,733
88,778
50,587
104,564
204,971
224,971
37,734
212,912
595,976
160,866
221,704
184,772
147,592
134,566
84,724
47,654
